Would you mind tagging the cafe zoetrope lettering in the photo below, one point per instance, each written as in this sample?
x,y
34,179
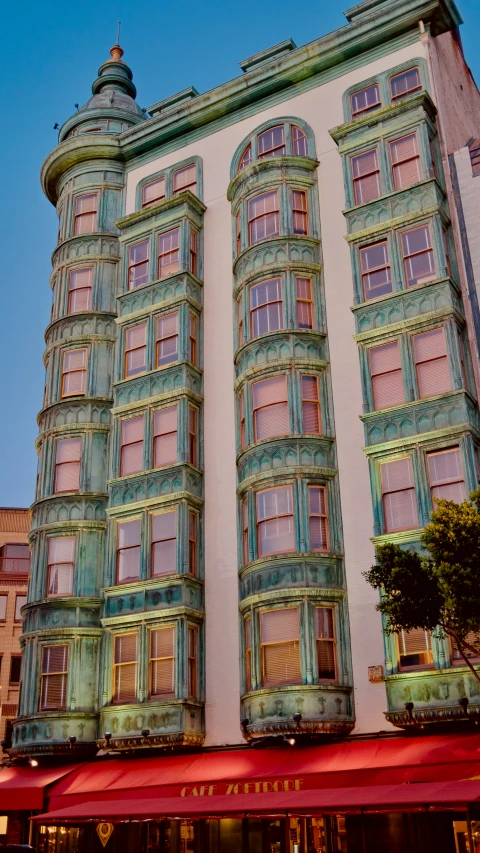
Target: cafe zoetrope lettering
x,y
259,787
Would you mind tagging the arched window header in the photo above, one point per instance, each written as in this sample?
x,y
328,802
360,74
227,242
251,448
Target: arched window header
x,y
282,137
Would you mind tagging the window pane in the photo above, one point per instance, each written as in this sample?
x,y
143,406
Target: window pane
x,y
138,264
445,473
271,407
433,374
299,142
271,143
263,217
266,307
366,100
3,607
164,543
387,379
366,177
376,274
279,625
185,179
20,600
407,81
399,499
415,648
246,158
153,192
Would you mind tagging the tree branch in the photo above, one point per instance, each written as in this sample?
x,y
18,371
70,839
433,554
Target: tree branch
x,y
460,644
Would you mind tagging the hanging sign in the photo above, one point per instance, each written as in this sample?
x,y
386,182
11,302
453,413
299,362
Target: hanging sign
x,y
104,831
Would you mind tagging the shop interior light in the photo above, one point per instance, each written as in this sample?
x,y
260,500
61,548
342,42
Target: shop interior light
x,y
33,762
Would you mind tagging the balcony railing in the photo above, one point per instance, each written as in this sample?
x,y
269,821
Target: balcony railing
x,y
15,565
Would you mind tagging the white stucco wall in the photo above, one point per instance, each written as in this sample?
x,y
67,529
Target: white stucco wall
x,y
322,109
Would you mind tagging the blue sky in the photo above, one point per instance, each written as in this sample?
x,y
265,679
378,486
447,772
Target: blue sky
x,y
51,52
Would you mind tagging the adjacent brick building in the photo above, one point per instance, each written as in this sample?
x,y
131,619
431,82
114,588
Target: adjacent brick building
x,y
14,573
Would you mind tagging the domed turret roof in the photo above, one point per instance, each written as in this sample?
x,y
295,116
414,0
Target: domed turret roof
x,y
113,97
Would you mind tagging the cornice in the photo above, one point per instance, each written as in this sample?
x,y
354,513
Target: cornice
x,y
371,121
72,152
421,439
166,205
367,31
286,167
284,476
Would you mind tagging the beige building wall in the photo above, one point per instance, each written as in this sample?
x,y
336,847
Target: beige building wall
x,y
14,527
322,108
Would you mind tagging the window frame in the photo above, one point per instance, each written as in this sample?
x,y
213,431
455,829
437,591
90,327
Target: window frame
x,y
358,178
275,211
247,648
320,515
192,529
158,180
45,674
73,290
383,241
316,401
58,465
117,667
395,98
50,565
77,217
127,350
192,662
300,300
298,211
378,104
153,542
163,254
262,645
453,481
253,311
284,403
16,657
159,435
118,550
332,640
132,265
17,617
259,522
158,319
126,444
395,166
67,372
151,660
412,488
429,250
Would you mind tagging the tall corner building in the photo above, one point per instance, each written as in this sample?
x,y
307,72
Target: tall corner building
x,y
262,362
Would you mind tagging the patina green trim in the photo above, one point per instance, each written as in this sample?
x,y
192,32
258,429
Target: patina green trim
x,y
383,81
423,440
167,173
166,205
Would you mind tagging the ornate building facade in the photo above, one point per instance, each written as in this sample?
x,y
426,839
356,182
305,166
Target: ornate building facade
x,y
261,362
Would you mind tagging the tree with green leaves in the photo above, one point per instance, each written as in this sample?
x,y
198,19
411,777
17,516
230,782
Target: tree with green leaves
x,y
439,587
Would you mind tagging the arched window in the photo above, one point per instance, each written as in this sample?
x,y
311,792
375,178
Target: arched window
x,y
285,138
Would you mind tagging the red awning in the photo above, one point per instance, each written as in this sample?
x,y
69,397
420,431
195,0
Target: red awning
x,y
22,788
376,797
351,763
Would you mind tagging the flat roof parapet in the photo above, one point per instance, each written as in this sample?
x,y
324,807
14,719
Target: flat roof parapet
x,y
264,56
173,101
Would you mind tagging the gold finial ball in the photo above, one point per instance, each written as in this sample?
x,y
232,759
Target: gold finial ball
x,y
116,53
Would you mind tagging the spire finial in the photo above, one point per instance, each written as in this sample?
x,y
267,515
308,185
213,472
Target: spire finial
x,y
118,32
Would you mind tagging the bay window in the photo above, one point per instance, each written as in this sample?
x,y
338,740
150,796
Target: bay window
x,y
247,640
162,662
270,408
405,83
445,475
165,436
60,562
414,649
80,290
271,143
74,371
375,269
431,363
304,302
266,307
167,339
275,522
263,217
192,542
185,179
325,642
366,100
405,159
168,253
280,647
131,446
299,212
85,218
398,493
125,665
135,350
299,142
192,634
153,191
164,544
67,465
128,550
318,518
386,375
310,405
366,176
53,678
138,257
418,257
